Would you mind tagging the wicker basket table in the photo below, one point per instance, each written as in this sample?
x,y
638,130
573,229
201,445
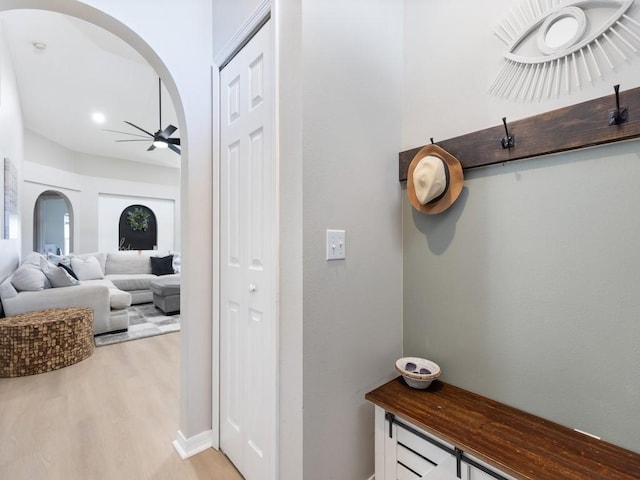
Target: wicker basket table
x,y
45,340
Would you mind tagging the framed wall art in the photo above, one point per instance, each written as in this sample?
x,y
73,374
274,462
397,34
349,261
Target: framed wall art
x,y
10,217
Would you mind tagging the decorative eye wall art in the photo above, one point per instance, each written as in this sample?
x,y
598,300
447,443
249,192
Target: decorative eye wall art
x,y
554,46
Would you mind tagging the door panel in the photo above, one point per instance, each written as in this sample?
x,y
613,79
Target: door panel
x,y
248,260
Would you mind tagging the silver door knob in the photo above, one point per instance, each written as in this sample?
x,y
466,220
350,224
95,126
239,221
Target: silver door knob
x,y
252,288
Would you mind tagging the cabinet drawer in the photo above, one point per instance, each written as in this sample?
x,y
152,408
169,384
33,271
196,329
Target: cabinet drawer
x,y
413,461
433,454
406,474
477,474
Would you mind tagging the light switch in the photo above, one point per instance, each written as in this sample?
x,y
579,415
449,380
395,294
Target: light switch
x,y
336,246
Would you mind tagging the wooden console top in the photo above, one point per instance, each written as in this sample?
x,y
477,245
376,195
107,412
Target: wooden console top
x,y
518,443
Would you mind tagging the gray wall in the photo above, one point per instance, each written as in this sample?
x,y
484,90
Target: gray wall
x,y
352,57
528,289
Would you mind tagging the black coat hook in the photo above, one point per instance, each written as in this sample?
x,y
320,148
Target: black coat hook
x,y
618,115
508,141
431,140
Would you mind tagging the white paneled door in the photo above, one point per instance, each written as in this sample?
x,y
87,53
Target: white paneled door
x,y
248,260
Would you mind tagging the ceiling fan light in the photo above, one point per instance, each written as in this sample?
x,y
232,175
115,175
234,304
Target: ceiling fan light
x,y
98,117
160,144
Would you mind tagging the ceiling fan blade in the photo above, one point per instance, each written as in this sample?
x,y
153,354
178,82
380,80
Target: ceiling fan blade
x,y
141,129
124,133
152,147
175,149
173,141
136,140
167,132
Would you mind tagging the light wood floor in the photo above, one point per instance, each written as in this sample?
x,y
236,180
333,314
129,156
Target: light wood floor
x,y
112,416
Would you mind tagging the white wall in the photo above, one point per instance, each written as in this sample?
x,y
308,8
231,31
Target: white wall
x,y
228,18
288,37
86,180
525,291
10,147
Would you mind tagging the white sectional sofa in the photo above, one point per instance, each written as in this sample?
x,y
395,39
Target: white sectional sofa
x,y
106,282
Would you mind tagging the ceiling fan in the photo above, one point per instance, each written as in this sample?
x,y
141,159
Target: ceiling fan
x,y
160,139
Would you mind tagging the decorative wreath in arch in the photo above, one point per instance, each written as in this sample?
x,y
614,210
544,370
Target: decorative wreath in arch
x,y
138,219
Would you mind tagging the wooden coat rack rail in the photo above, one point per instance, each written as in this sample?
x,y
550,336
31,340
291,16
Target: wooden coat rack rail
x,y
577,126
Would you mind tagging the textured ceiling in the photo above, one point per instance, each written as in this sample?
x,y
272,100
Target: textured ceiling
x,y
85,69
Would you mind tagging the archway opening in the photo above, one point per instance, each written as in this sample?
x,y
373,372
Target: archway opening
x,y
53,224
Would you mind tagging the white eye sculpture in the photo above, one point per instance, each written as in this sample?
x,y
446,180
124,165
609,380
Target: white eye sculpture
x,y
556,44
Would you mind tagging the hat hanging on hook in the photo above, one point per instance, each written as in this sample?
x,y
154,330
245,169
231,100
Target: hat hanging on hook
x,y
434,180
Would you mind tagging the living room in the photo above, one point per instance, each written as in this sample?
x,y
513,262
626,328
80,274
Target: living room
x,y
98,187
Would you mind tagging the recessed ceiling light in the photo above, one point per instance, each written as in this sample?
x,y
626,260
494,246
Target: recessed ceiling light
x,y
98,117
39,45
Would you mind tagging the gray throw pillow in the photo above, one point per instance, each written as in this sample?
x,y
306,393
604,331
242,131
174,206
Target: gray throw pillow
x,y
59,277
29,278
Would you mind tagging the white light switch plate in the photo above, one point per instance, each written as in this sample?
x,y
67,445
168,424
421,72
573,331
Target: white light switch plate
x,y
336,245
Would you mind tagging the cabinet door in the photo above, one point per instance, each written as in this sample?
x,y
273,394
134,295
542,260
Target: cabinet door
x,y
446,470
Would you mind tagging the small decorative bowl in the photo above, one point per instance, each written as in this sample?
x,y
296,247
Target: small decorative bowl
x,y
417,372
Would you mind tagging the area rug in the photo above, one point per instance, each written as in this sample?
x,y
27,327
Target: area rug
x,y
145,320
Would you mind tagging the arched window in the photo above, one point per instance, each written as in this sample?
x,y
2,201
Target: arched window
x,y
53,224
138,229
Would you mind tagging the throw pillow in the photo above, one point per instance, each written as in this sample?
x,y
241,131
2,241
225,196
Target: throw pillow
x,y
29,278
59,259
88,269
100,256
59,277
33,258
162,265
176,261
68,269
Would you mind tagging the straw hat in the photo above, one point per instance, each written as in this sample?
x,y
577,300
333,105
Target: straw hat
x,y
434,180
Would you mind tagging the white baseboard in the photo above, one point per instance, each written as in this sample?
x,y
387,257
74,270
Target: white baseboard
x,y
187,447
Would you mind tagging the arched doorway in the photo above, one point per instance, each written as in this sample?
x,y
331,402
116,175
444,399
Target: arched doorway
x,y
53,224
192,100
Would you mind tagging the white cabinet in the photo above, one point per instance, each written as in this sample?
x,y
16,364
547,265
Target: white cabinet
x,y
406,452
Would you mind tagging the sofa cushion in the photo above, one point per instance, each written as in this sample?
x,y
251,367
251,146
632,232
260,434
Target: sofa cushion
x,y
166,286
88,269
119,299
132,281
29,278
162,265
118,263
7,290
